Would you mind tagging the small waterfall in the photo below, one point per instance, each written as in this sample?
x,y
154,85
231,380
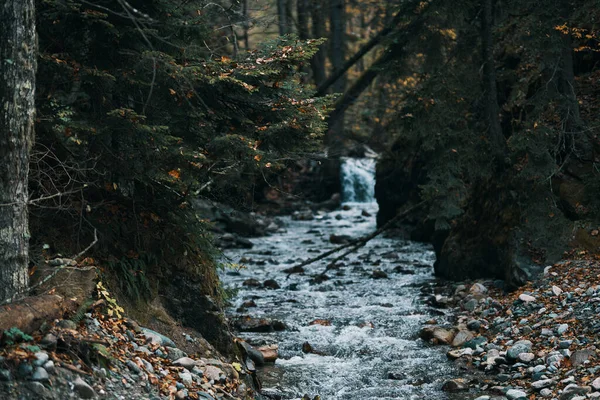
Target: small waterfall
x,y
358,180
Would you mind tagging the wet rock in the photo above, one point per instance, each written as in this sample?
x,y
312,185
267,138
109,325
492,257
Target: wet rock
x,y
402,270
269,352
455,385
437,335
379,274
249,304
461,338
306,215
251,283
249,324
84,390
339,239
294,270
255,355
397,376
271,284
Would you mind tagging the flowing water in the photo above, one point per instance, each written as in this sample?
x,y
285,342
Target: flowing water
x,y
368,348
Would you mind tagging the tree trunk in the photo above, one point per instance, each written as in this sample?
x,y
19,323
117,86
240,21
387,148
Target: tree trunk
x,y
302,11
337,22
246,24
318,28
282,16
18,51
492,111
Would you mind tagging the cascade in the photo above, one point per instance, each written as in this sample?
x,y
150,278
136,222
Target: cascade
x,y
358,180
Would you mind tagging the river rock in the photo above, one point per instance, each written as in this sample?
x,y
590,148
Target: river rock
x,y
514,394
437,334
522,346
157,338
249,324
185,362
213,373
40,375
525,298
455,385
556,290
271,284
541,384
596,384
270,352
478,289
580,356
255,355
84,390
461,338
175,353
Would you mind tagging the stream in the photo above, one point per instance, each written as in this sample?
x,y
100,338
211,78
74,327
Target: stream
x,y
366,345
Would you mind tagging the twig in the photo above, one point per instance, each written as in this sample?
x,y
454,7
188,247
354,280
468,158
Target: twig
x,y
89,247
356,244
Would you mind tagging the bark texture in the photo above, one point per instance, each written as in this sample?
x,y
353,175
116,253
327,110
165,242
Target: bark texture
x,y
17,108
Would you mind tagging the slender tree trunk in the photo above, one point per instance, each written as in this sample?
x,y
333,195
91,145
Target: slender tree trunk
x,y
337,20
17,107
282,16
302,11
246,24
492,111
318,28
338,45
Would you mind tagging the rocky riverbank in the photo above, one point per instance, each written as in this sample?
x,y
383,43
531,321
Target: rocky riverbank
x,y
540,341
113,358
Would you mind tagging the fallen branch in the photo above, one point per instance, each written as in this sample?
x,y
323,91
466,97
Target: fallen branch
x,y
358,243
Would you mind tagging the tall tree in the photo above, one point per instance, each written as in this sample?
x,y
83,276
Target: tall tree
x,y
337,22
318,31
282,16
17,88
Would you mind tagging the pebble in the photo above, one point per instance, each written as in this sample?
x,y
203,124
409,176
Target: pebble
x,y
526,298
49,367
185,362
556,290
514,394
40,358
40,375
562,328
